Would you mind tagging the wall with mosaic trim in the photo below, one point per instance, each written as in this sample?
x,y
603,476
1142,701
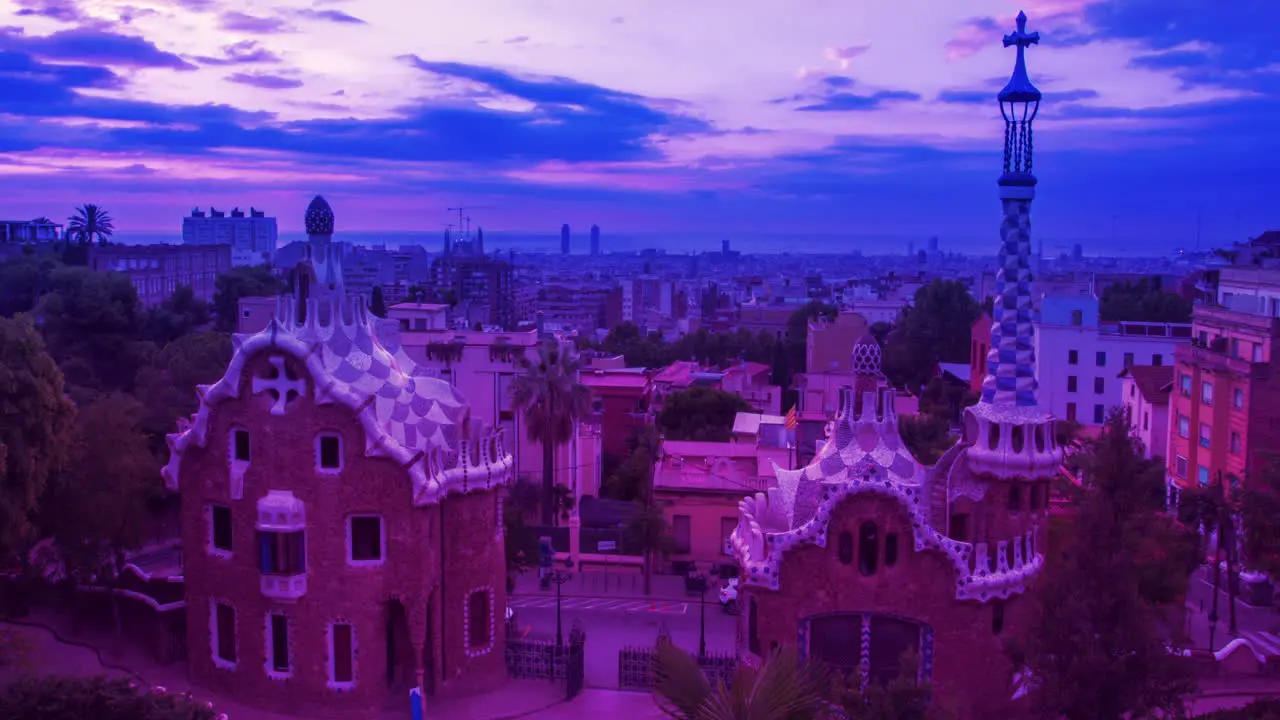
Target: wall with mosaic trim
x,y
968,666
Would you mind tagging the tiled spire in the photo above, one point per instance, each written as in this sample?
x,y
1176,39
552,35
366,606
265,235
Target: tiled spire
x,y
1011,361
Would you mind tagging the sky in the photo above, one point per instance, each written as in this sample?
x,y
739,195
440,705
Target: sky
x,y
841,117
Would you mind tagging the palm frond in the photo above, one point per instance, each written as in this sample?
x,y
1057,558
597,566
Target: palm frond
x,y
680,688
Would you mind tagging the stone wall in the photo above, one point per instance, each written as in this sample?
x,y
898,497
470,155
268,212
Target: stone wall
x,y
283,452
971,673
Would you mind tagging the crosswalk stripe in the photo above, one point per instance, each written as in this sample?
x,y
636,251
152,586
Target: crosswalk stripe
x,y
603,604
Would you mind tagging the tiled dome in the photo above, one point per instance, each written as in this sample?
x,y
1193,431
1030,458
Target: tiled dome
x,y
866,356
319,217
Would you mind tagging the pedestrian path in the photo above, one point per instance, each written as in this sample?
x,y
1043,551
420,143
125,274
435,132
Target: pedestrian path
x,y
628,605
1264,642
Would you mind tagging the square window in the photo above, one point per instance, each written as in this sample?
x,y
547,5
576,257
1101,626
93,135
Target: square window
x,y
1157,360
1205,436
1206,393
1071,412
1100,359
341,665
240,438
278,625
1099,414
1098,386
1184,426
1237,398
1257,352
1146,420
1071,383
682,533
1236,442
1180,466
220,533
1184,384
1128,359
329,452
1073,357
224,633
244,313
1203,475
366,539
1077,317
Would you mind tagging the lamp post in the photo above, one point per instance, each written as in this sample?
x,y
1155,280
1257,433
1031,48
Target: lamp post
x,y
560,577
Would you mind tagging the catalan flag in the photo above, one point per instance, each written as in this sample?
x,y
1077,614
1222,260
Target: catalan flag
x,y
791,421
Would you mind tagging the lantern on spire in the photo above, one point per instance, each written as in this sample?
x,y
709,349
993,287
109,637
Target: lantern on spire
x,y
1019,103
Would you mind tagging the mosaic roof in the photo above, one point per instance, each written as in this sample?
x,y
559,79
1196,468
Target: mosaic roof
x,y
408,414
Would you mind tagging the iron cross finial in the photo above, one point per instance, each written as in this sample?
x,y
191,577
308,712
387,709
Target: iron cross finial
x,y
1021,37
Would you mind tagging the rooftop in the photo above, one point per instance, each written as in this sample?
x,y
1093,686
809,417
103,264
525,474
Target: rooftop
x,y
1154,381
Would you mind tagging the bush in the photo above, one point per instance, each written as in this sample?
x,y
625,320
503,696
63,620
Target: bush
x,y
96,698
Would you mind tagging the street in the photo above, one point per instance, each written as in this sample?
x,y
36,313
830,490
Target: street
x,y
1259,625
614,623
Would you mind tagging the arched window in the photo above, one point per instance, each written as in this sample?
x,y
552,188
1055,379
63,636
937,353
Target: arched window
x,y
868,548
1040,438
997,617
845,548
1015,496
1018,437
890,549
993,436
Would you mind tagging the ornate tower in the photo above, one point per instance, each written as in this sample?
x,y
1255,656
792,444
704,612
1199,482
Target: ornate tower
x,y
1011,435
321,269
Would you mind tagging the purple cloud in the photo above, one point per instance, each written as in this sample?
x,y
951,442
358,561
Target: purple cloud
x,y
94,46
849,102
267,82
336,16
245,52
63,10
516,40
241,22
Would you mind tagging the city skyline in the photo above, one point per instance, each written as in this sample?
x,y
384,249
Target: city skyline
x,y
875,119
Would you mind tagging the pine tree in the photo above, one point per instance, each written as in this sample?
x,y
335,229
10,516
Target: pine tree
x,y
1097,650
378,306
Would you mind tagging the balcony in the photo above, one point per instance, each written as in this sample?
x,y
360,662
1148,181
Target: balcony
x,y
1146,329
284,587
1216,358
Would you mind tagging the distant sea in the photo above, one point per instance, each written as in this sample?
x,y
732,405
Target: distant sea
x,y
697,243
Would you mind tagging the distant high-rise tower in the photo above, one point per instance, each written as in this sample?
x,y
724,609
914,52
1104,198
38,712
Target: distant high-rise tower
x,y
724,247
595,239
564,239
448,242
933,244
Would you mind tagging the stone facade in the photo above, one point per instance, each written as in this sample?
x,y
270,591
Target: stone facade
x,y
341,522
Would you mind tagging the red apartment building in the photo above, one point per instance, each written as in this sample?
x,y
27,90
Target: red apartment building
x,y
1226,399
619,403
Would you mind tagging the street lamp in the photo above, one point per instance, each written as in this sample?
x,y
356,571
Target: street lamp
x,y
560,577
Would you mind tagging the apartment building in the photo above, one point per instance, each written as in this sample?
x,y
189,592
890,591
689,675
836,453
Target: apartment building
x,y
252,237
156,271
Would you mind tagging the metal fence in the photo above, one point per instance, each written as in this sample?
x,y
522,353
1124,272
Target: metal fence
x,y
635,668
544,660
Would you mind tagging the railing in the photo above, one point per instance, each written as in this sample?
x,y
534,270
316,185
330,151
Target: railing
x,y
636,671
1146,329
545,660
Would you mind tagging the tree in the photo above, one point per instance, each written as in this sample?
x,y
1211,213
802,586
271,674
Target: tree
x,y
1142,301
1259,506
22,281
1265,709
35,430
783,688
98,506
378,303
177,316
166,386
91,322
520,542
89,223
880,331
546,390
1096,649
241,282
701,413
926,436
937,327
100,698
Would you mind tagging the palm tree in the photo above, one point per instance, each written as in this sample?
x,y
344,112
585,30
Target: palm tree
x,y
783,688
552,400
91,222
